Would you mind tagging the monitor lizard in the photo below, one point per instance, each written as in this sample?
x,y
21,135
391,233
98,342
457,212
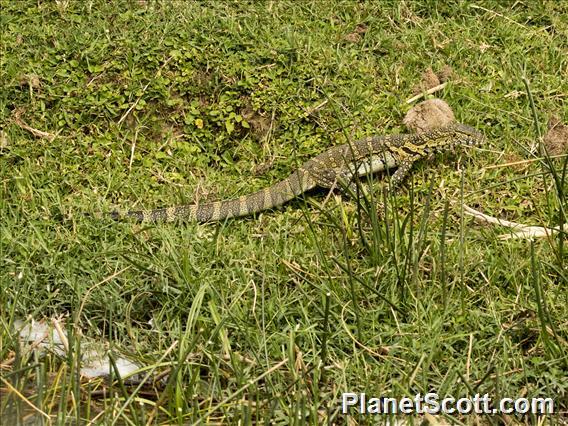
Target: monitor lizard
x,y
338,165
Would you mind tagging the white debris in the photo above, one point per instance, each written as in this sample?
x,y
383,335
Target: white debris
x,y
41,337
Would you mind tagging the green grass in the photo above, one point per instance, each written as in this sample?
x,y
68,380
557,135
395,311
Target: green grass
x,y
271,318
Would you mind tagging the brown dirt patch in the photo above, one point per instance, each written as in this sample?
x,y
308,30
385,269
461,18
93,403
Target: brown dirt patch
x,y
428,115
556,139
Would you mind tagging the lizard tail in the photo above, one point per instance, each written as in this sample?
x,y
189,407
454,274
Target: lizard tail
x,y
266,198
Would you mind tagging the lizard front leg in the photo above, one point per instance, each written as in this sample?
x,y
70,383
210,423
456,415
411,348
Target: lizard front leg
x,y
395,181
400,174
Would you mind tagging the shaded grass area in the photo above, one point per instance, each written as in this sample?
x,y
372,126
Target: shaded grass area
x,y
271,318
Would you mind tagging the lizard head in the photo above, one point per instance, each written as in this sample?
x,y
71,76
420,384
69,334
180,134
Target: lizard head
x,y
466,135
451,136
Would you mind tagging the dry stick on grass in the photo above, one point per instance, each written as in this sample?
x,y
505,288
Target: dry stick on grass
x,y
310,111
132,149
512,21
23,398
519,230
35,132
427,92
516,163
62,334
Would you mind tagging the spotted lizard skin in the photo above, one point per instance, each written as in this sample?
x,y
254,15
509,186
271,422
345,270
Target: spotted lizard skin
x,y
336,166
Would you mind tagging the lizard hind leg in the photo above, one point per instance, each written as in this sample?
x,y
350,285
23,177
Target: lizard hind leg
x,y
371,200
342,180
350,186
